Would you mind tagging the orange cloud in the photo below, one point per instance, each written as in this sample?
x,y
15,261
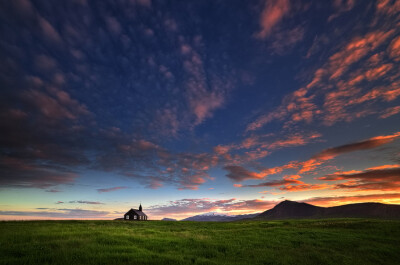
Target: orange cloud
x,y
383,178
304,187
338,200
239,173
341,91
394,49
363,145
289,183
273,13
379,71
383,167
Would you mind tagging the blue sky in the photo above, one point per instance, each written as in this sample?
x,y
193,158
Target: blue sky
x,y
196,106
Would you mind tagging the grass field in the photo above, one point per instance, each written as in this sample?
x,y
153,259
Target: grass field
x,y
339,241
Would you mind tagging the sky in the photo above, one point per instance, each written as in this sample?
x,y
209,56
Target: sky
x,y
189,107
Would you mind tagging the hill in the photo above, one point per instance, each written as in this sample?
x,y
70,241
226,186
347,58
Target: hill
x,y
296,210
212,217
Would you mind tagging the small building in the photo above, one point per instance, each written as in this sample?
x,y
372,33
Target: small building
x,y
135,215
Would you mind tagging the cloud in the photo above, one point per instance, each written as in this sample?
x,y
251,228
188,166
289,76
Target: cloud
x,y
239,173
362,145
113,25
53,190
48,30
24,7
394,49
273,13
287,180
144,3
186,207
383,178
45,63
341,6
62,106
112,189
338,200
283,41
390,112
204,93
256,147
290,183
59,213
19,173
340,88
86,202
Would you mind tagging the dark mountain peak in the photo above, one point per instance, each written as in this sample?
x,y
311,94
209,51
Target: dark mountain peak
x,y
292,209
287,202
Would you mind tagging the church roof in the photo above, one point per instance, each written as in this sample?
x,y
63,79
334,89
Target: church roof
x,y
140,213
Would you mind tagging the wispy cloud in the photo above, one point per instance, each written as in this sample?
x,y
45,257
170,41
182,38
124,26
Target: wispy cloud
x,y
273,13
86,202
384,178
59,213
112,189
352,147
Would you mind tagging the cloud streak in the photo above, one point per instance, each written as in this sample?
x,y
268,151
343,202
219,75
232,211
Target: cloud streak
x,y
112,189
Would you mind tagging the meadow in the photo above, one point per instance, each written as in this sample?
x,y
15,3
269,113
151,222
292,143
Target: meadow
x,y
330,241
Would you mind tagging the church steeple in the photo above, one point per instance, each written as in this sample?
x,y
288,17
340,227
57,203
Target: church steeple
x,y
140,207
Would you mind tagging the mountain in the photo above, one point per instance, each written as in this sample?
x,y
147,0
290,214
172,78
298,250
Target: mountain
x,y
295,210
168,219
213,217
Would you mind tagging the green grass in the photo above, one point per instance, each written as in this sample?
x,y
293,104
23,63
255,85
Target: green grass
x,y
335,241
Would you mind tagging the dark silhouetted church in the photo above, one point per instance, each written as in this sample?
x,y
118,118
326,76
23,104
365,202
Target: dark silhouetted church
x,y
135,215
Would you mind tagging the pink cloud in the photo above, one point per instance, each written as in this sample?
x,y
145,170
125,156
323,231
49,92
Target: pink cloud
x,y
62,106
204,103
48,30
390,112
273,13
341,91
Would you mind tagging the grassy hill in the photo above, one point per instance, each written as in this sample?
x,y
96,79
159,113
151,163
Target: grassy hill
x,y
330,241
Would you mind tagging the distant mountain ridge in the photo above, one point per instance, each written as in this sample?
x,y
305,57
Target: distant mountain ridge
x,y
168,219
210,217
297,210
